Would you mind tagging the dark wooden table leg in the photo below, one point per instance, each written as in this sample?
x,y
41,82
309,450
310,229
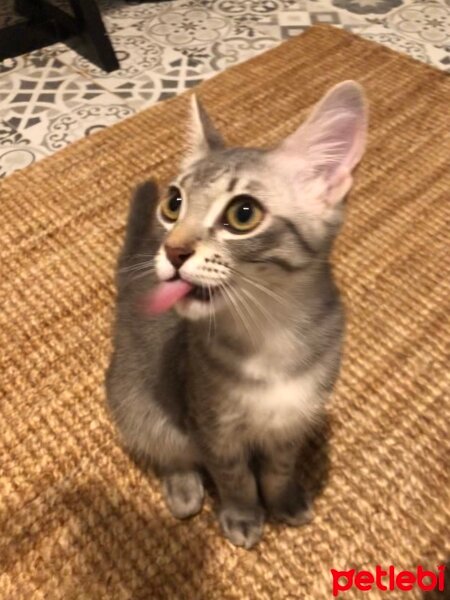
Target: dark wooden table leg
x,y
46,24
88,16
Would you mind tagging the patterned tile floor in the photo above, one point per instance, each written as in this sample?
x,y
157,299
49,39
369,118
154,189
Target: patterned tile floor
x,y
52,97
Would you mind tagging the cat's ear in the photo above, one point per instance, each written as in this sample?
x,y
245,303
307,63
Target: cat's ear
x,y
329,145
203,136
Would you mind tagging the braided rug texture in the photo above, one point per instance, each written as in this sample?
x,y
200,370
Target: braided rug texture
x,y
77,518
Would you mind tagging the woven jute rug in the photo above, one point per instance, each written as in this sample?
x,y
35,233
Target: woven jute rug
x,y
78,519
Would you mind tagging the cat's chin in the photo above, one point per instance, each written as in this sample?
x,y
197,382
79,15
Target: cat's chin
x,y
195,310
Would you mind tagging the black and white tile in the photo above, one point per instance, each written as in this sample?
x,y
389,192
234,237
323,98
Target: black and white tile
x,y
422,23
54,96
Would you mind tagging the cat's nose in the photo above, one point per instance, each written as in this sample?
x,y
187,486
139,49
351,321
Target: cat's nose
x,y
178,255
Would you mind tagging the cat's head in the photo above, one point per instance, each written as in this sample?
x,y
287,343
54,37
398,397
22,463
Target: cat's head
x,y
243,224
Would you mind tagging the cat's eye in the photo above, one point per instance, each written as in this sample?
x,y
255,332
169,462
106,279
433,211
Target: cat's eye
x,y
243,214
171,205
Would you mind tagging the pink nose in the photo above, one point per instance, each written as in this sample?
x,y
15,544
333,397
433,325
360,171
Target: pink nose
x,y
178,255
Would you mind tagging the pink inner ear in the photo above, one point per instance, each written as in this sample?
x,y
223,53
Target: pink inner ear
x,y
334,144
331,142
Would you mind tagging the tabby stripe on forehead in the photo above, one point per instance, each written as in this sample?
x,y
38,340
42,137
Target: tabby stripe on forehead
x,y
184,179
232,184
297,234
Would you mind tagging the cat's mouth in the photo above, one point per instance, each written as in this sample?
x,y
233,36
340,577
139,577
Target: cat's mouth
x,y
203,294
178,292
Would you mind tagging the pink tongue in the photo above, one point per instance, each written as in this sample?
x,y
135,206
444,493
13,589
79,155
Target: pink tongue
x,y
165,295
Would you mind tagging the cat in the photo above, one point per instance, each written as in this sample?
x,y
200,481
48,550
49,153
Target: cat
x,y
229,325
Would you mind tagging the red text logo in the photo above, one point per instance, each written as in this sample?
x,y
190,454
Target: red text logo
x,y
388,580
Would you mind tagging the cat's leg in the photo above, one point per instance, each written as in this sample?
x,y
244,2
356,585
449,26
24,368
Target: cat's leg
x,y
151,436
176,463
283,494
240,514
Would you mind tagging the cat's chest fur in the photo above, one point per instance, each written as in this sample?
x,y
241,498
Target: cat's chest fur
x,y
277,405
272,393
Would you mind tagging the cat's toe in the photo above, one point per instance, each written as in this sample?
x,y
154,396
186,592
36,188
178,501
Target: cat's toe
x,y
183,493
295,518
242,527
293,509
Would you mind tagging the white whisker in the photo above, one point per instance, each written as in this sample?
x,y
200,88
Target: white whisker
x,y
137,266
144,274
258,305
233,291
228,292
210,311
261,287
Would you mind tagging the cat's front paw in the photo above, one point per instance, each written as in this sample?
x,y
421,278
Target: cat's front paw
x,y
183,493
242,527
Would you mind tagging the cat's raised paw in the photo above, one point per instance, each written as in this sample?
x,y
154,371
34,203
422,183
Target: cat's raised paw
x,y
183,493
242,527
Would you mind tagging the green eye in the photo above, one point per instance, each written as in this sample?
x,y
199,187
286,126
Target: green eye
x,y
243,214
170,207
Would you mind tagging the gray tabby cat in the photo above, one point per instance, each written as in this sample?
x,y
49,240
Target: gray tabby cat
x,y
241,368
